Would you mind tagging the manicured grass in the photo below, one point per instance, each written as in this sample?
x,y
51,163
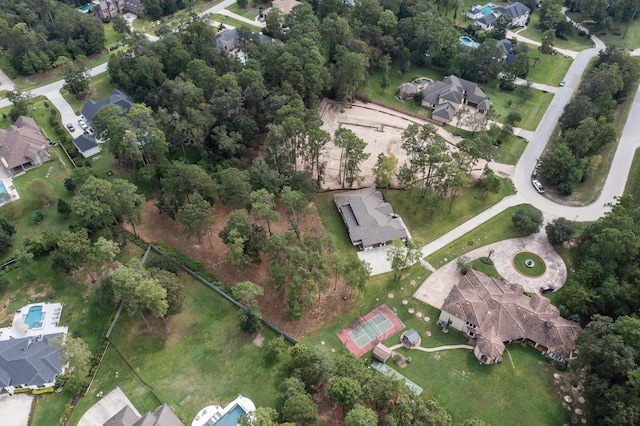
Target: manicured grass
x,y
485,268
630,41
174,20
204,359
21,211
100,88
374,92
5,122
332,221
503,102
227,20
550,70
105,166
633,179
514,393
496,229
242,12
414,209
41,111
510,150
538,268
574,41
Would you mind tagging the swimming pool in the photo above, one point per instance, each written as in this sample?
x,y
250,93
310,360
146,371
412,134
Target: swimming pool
x,y
231,418
87,7
468,41
486,10
34,317
4,194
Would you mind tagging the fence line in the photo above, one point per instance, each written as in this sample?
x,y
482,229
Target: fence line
x,y
223,294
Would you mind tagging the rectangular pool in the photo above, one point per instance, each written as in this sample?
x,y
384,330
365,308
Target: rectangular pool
x,y
231,418
34,317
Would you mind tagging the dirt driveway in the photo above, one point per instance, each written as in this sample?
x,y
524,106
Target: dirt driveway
x,y
381,128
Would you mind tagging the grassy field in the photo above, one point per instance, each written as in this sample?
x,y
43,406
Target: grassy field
x,y
174,20
551,69
573,42
496,229
503,103
242,12
227,20
333,222
633,179
204,359
510,150
100,87
413,209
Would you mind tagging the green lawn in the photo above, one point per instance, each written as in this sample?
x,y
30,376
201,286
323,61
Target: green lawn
x,y
631,39
374,92
332,221
414,209
204,359
227,20
550,70
41,111
496,229
633,179
21,211
5,122
503,102
510,150
520,394
100,87
242,12
573,42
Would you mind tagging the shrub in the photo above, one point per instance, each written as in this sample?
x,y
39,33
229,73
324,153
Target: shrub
x,y
162,262
43,390
38,217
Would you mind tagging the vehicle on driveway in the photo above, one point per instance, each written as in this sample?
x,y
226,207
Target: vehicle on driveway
x,y
538,186
70,127
562,83
547,288
83,124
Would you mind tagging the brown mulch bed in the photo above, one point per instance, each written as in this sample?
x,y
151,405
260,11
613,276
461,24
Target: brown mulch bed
x,y
212,254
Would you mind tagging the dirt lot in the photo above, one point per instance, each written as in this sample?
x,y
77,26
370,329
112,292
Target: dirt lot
x,y
212,253
380,127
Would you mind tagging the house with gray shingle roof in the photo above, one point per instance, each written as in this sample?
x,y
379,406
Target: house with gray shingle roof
x,y
86,145
446,97
162,416
486,15
369,218
22,146
29,362
493,312
116,97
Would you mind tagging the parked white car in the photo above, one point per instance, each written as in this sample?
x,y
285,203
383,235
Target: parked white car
x,y
538,186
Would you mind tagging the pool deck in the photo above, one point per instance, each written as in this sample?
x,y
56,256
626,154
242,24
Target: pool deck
x,y
19,329
11,190
214,412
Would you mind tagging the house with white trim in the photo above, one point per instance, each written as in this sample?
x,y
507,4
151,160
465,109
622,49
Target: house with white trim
x,y
485,16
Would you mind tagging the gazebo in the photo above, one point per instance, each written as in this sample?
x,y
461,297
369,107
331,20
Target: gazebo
x,y
410,338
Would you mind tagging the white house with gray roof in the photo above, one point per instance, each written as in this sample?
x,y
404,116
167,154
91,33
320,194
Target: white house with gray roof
x,y
486,15
446,97
370,219
26,358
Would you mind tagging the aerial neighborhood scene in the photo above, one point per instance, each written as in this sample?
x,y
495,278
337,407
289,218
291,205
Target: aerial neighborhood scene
x,y
293,212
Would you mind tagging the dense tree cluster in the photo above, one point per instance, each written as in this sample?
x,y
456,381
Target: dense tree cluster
x,y
36,33
604,14
587,123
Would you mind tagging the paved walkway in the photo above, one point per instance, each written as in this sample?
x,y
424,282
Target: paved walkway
x,y
436,349
435,289
5,82
14,410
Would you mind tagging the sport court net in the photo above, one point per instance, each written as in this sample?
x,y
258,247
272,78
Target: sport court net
x,y
370,330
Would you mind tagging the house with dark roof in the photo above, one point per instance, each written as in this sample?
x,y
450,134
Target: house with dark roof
x,y
486,15
107,9
29,362
447,96
493,313
162,416
509,50
86,145
22,146
226,39
115,98
369,218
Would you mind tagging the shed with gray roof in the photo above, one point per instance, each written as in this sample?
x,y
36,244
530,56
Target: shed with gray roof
x,y
369,218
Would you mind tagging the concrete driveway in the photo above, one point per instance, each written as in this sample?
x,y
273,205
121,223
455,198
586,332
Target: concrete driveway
x,y
437,286
14,410
105,407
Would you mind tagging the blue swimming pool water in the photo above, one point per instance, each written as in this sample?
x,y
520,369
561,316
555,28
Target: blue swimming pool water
x,y
34,317
87,7
486,10
3,189
467,41
231,418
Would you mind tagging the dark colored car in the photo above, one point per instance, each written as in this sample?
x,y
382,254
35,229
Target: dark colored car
x,y
547,288
70,127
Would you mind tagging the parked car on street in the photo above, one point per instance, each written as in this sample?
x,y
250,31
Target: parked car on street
x,y
538,186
